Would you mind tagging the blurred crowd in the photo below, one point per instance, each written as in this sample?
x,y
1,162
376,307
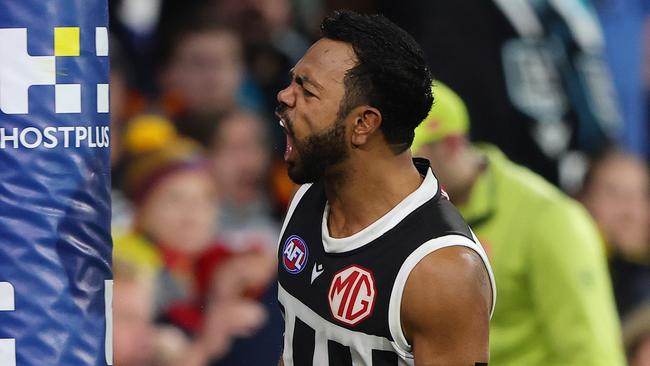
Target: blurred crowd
x,y
200,186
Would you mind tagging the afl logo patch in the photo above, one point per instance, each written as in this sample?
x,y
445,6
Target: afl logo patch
x,y
352,294
294,254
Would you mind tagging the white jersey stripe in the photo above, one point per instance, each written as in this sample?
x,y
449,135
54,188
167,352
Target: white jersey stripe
x,y
320,348
289,327
292,207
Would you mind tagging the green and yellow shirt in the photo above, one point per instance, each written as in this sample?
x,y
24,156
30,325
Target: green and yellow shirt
x,y
555,304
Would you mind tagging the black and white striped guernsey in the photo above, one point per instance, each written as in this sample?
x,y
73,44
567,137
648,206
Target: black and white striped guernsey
x,y
341,297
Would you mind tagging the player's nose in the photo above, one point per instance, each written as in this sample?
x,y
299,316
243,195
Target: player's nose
x,y
286,96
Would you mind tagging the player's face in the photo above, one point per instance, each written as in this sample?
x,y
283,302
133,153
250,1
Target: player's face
x,y
309,111
619,200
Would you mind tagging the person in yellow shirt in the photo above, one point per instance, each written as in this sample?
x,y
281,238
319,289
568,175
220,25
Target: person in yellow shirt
x,y
555,304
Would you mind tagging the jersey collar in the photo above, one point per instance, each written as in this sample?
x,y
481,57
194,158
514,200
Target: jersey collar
x,y
425,192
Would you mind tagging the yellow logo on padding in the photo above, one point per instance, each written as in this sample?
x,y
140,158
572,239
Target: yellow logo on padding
x,y
19,70
66,41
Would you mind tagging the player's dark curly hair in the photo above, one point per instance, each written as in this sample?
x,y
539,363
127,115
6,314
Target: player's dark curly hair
x,y
391,74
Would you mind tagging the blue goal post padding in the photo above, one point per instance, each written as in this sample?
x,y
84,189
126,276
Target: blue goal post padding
x,y
55,244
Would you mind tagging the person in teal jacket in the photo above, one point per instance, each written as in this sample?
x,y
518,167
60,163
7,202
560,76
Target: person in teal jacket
x,y
555,304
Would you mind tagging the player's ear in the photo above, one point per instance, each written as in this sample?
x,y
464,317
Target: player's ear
x,y
367,121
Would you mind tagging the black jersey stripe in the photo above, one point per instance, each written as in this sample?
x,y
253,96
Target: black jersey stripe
x,y
338,354
303,344
383,358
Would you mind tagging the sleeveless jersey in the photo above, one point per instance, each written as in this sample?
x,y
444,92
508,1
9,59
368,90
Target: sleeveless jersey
x,y
341,297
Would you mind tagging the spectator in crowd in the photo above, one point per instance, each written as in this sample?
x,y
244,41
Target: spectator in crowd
x,y
240,160
555,305
204,71
616,192
138,341
141,134
133,328
636,334
176,203
246,279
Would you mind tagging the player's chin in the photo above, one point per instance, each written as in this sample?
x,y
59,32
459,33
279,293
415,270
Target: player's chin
x,y
297,174
291,166
294,172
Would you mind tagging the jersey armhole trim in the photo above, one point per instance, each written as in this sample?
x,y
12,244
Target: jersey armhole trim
x,y
292,207
401,345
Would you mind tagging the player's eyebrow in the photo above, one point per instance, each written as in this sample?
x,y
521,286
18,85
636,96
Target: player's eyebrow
x,y
304,79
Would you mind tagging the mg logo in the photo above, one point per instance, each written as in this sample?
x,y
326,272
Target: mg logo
x,y
19,70
294,254
352,294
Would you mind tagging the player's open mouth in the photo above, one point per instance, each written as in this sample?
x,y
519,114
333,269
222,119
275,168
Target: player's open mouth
x,y
289,149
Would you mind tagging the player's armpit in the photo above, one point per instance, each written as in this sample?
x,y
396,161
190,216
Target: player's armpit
x,y
446,308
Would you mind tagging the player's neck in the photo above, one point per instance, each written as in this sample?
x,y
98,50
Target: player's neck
x,y
367,191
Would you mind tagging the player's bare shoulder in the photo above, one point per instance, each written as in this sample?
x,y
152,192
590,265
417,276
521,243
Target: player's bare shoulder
x,y
446,307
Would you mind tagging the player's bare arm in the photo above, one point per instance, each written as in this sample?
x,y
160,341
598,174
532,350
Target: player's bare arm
x,y
446,309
